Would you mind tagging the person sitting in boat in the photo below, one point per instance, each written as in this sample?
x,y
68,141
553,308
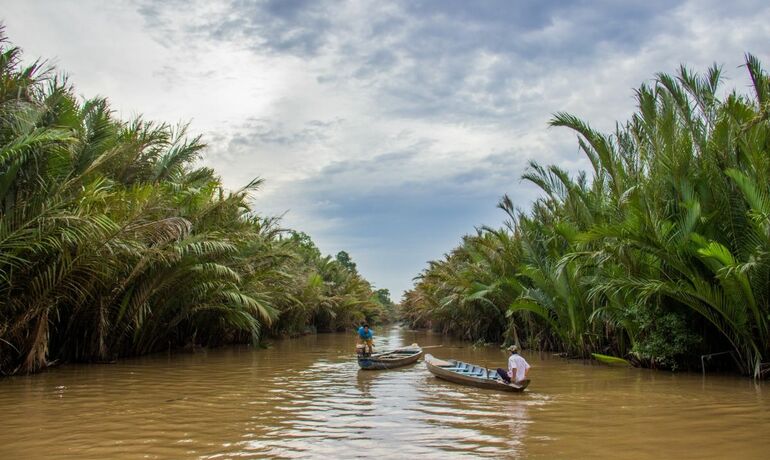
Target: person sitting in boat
x,y
518,367
366,337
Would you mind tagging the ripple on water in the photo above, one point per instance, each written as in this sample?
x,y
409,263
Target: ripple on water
x,y
307,398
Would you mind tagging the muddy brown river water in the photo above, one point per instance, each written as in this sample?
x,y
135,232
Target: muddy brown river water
x,y
306,397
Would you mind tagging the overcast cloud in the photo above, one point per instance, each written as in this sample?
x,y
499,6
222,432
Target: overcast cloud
x,y
387,129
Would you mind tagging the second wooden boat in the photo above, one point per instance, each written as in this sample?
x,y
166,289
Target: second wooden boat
x,y
470,374
390,359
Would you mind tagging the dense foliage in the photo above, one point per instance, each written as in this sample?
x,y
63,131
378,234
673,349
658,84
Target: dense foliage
x,y
114,242
662,255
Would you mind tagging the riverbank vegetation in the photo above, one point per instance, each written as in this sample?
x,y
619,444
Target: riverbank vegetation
x,y
661,254
115,241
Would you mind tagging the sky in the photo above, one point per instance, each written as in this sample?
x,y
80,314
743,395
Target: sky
x,y
385,129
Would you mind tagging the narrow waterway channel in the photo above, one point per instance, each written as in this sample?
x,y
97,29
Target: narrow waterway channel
x,y
306,397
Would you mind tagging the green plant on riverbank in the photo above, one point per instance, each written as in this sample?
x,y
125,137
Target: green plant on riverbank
x,y
114,242
662,254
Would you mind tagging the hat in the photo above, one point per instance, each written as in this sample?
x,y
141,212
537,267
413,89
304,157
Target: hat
x,y
513,348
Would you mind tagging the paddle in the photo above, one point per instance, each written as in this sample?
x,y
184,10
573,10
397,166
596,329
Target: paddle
x,y
491,373
495,376
414,345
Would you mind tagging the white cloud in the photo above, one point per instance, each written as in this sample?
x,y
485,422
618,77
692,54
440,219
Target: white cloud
x,y
387,129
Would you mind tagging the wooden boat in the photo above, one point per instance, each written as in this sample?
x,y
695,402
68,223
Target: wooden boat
x,y
390,359
469,374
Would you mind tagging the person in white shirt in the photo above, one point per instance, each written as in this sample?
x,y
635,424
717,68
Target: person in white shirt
x,y
518,367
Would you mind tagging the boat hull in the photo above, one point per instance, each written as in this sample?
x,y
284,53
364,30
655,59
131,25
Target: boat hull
x,y
389,360
471,375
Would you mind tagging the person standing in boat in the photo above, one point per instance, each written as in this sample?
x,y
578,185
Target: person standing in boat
x,y
518,367
366,336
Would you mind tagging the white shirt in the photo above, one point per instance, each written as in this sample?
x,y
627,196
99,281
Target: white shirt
x,y
519,365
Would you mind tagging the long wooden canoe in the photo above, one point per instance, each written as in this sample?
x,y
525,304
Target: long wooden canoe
x,y
390,359
469,374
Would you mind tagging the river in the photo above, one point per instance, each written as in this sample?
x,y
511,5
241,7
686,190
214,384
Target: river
x,y
306,397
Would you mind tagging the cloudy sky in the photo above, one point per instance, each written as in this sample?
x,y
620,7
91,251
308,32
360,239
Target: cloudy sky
x,y
387,129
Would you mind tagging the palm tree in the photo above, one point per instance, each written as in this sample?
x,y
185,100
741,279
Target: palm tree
x,y
113,241
671,233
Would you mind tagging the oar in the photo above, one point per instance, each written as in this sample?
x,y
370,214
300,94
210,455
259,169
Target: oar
x,y
415,345
497,377
492,374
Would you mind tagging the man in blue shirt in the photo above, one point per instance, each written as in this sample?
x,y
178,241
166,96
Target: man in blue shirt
x,y
367,337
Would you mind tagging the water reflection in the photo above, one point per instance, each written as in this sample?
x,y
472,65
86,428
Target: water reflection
x,y
364,381
307,398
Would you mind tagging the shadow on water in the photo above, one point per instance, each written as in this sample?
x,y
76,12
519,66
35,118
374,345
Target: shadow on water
x,y
306,397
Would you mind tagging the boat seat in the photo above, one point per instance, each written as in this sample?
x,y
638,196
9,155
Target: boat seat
x,y
473,373
439,362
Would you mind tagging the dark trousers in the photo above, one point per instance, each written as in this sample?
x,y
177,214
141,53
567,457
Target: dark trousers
x,y
503,374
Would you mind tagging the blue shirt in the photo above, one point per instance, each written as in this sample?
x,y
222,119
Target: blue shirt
x,y
365,334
